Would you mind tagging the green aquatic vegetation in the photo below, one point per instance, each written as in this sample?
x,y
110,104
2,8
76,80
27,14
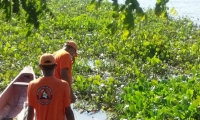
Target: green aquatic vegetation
x,y
162,101
149,72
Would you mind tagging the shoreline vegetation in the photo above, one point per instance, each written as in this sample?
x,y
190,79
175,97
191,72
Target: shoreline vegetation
x,y
150,72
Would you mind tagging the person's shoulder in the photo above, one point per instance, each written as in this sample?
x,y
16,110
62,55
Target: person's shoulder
x,y
60,81
56,79
35,81
64,83
57,52
61,52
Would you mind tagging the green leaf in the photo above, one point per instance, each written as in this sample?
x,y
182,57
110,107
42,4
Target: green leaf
x,y
38,50
154,82
78,79
91,7
132,107
146,43
189,93
173,11
125,34
96,82
98,77
155,61
98,63
115,15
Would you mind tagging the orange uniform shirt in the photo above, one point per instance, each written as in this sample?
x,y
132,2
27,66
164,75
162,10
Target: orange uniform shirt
x,y
49,97
63,60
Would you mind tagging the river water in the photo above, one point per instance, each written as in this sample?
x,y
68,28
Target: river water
x,y
184,8
85,116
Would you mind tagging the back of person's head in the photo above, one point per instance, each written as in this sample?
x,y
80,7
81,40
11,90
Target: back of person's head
x,y
47,62
72,45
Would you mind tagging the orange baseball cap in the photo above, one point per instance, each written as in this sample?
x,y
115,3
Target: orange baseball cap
x,y
74,45
47,59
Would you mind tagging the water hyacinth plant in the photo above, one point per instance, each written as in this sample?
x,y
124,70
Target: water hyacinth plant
x,y
149,72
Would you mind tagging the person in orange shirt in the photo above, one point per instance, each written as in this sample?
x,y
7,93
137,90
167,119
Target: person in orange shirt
x,y
65,58
49,96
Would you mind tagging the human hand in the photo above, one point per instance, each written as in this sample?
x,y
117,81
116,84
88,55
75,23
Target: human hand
x,y
73,98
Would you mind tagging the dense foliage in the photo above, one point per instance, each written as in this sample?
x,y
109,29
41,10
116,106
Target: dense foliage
x,y
149,72
35,8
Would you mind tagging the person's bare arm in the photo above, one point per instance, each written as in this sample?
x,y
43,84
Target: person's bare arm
x,y
73,59
69,113
30,113
64,76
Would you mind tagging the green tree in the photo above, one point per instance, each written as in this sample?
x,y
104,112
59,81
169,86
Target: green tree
x,y
34,8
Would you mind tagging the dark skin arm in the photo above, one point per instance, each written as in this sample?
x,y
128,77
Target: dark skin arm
x,y
64,76
73,60
69,113
30,113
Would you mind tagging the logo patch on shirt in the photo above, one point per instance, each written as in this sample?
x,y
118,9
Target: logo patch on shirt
x,y
44,95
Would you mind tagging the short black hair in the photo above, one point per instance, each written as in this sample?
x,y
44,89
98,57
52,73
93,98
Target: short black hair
x,y
48,67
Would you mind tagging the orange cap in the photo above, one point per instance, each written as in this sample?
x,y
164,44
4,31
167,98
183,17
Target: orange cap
x,y
47,59
74,45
